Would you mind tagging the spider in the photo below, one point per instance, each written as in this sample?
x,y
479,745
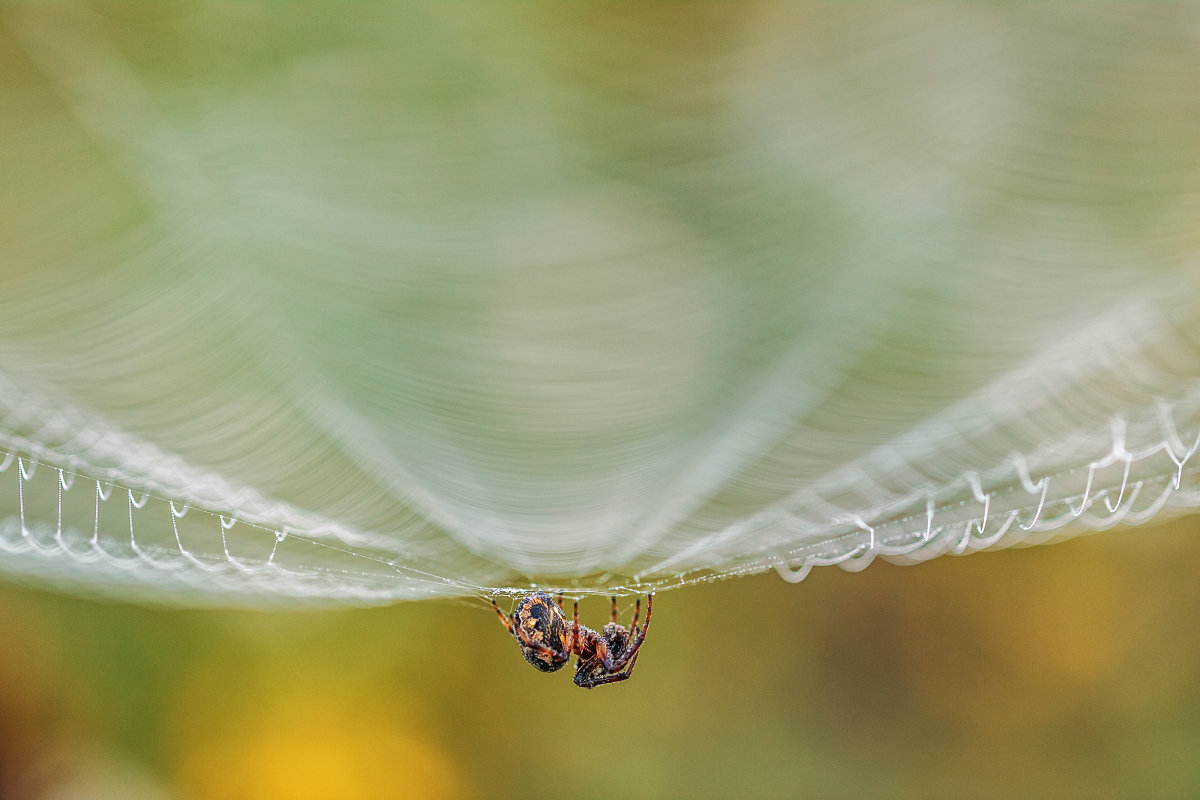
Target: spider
x,y
547,640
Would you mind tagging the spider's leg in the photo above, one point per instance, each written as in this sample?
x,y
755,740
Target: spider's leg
x,y
594,680
541,648
587,671
629,667
637,610
569,644
600,680
614,608
573,635
591,678
615,665
507,622
523,637
584,670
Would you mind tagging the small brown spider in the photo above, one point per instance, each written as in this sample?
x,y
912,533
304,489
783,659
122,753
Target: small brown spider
x,y
548,641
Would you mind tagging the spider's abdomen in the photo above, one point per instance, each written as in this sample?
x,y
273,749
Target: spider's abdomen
x,y
543,623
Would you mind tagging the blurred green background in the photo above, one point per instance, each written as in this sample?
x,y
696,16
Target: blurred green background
x,y
1067,671
755,137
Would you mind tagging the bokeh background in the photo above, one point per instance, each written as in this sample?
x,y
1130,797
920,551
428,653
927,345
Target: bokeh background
x,y
963,234
1064,671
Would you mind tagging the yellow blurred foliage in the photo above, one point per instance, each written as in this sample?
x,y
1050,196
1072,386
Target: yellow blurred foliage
x,y
301,738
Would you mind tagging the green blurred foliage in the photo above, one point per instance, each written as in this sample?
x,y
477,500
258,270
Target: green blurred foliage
x,y
1051,672
1058,672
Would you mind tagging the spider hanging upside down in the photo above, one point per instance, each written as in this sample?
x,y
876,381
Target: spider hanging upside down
x,y
548,641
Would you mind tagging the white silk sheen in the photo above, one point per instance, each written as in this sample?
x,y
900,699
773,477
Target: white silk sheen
x,y
381,303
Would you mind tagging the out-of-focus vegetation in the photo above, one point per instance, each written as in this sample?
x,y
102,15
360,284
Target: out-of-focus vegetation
x,y
594,283
1070,671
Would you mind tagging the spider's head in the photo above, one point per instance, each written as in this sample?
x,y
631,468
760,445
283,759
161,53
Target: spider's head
x,y
617,639
542,622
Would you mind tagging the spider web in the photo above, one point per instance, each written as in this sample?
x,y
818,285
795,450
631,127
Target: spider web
x,y
413,305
